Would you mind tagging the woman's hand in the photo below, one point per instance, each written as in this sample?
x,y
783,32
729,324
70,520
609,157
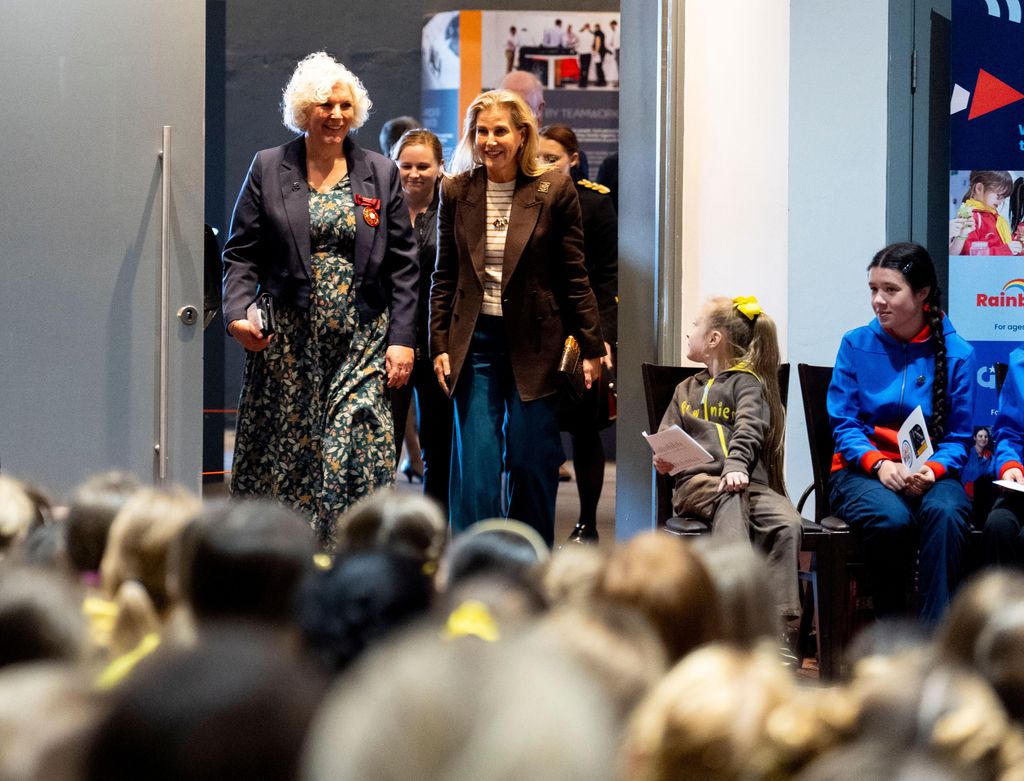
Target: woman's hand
x,y
893,475
661,466
248,335
1013,475
920,483
398,363
591,370
733,482
442,370
606,361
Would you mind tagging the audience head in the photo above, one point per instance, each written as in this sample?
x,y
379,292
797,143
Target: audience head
x,y
614,644
40,617
496,564
47,711
20,512
140,538
244,560
528,87
711,718
572,575
92,510
409,524
664,579
359,601
506,107
235,706
312,82
434,710
973,609
745,594
392,130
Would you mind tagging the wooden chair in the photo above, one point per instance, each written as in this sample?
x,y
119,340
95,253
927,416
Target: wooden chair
x,y
833,606
659,384
834,591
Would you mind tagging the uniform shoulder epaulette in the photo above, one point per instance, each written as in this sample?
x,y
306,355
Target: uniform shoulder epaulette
x,y
600,188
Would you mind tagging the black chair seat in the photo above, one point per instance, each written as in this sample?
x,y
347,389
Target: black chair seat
x,y
687,526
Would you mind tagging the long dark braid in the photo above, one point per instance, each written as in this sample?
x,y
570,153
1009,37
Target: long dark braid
x,y
917,267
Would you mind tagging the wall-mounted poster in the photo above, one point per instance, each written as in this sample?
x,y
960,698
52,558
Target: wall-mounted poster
x,y
986,186
575,56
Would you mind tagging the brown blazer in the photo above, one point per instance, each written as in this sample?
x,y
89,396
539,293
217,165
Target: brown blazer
x,y
545,293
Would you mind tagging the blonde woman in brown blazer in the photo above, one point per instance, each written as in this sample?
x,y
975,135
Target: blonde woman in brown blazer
x,y
509,285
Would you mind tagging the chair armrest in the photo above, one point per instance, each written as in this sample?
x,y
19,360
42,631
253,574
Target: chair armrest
x,y
834,524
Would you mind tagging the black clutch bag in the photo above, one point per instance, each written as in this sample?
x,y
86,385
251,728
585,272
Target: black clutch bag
x,y
570,369
261,313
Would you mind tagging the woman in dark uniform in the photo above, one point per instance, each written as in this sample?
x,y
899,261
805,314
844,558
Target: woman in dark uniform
x,y
559,147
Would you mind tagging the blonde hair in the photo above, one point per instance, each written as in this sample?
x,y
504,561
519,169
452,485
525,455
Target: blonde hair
x,y
754,344
140,539
466,156
711,718
311,84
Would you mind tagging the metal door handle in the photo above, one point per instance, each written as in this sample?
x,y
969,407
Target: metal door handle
x,y
160,448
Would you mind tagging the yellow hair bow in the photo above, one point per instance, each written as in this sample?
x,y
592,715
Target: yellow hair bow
x,y
748,306
471,619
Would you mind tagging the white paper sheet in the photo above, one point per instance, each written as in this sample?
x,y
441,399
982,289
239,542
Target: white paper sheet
x,y
915,444
678,448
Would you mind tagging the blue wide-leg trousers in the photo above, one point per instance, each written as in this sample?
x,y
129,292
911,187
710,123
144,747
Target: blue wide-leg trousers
x,y
497,433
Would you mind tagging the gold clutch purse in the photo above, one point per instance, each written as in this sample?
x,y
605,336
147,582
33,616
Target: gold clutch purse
x,y
570,368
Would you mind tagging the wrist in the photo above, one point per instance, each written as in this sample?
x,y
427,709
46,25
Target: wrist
x,y
876,468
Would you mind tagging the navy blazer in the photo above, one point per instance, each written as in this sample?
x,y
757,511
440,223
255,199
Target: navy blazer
x,y
268,247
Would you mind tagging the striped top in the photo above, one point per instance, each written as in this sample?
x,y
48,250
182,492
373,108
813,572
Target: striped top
x,y
499,205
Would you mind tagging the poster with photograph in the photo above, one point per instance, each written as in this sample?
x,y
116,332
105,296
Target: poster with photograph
x,y
986,187
575,56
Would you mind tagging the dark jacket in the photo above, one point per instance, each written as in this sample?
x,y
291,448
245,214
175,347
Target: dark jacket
x,y
545,292
601,252
426,241
269,244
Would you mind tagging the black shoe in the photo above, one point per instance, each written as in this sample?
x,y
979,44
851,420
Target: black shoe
x,y
584,534
411,473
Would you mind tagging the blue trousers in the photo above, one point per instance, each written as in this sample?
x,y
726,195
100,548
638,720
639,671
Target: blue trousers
x,y
497,433
892,527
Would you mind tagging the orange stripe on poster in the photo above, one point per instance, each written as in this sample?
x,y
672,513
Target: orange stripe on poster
x,y
470,59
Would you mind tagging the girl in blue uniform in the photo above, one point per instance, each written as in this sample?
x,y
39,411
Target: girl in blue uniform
x,y
909,355
1004,529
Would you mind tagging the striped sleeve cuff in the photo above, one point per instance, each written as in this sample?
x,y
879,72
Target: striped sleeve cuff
x,y
1008,466
869,459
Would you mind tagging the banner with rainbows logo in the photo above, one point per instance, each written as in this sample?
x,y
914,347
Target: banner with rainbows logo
x,y
986,187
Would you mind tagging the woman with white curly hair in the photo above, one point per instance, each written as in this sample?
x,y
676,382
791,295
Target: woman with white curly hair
x,y
321,226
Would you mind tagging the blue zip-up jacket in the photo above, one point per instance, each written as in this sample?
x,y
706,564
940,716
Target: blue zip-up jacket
x,y
1009,428
877,382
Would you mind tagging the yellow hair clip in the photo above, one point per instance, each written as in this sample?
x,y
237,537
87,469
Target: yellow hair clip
x,y
748,306
471,619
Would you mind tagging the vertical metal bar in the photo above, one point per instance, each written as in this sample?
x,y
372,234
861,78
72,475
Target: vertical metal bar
x,y
165,274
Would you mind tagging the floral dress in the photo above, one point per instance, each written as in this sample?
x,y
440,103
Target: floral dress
x,y
314,424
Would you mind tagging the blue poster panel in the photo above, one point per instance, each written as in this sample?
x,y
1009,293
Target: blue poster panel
x,y
986,190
